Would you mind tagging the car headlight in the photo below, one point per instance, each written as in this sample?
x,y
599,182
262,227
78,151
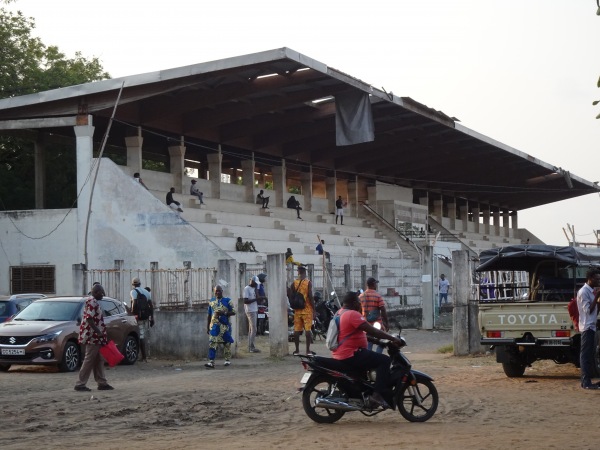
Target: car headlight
x,y
48,337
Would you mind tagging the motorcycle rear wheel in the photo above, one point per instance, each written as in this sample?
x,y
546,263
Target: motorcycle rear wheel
x,y
317,387
428,398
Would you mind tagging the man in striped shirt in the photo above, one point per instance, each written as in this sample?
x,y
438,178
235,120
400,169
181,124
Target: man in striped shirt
x,y
373,308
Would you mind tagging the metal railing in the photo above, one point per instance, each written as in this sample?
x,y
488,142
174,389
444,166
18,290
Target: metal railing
x,y
170,288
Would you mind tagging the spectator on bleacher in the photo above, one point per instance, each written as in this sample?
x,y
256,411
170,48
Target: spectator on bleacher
x,y
262,200
289,258
173,204
136,177
195,191
247,246
320,250
292,203
339,210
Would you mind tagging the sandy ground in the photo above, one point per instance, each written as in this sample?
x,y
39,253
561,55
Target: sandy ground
x,y
255,403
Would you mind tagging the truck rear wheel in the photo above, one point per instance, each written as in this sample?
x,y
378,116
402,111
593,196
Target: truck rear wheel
x,y
513,369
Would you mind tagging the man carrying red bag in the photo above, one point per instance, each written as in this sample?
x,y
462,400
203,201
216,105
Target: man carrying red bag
x,y
92,335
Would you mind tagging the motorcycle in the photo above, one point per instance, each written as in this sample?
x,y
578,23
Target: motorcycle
x,y
324,312
262,321
330,389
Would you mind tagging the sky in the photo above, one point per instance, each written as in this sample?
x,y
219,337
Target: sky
x,y
522,72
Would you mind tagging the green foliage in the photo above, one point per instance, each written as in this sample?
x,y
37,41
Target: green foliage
x,y
27,66
294,190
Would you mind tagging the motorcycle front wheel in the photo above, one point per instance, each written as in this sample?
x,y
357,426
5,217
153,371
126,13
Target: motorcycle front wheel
x,y
317,387
418,403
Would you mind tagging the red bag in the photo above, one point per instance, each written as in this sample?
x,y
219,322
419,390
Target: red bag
x,y
574,312
111,354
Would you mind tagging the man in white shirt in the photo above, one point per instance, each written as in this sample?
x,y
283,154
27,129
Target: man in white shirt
x,y
443,288
251,309
587,304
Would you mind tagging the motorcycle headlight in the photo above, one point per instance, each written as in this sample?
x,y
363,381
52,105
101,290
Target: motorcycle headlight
x,y
48,337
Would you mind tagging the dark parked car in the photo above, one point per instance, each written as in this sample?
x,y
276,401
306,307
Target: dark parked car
x,y
9,306
46,332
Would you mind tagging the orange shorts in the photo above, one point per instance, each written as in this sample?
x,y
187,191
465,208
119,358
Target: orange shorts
x,y
302,321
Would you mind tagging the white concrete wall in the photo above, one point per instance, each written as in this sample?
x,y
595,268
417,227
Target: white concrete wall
x,y
59,249
383,191
130,224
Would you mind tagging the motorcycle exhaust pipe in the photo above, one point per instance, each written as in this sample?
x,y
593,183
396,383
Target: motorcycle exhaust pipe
x,y
335,404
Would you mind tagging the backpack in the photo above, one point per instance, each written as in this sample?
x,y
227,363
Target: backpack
x,y
142,306
297,300
574,312
333,332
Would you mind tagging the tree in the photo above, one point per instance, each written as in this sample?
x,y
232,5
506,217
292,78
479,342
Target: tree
x,y
27,66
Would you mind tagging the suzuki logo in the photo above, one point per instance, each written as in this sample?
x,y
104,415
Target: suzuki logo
x,y
12,340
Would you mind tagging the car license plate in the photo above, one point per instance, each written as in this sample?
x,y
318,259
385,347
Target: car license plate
x,y
261,316
552,343
305,378
13,351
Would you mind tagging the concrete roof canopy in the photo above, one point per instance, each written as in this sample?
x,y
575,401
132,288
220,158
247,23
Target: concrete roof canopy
x,y
280,104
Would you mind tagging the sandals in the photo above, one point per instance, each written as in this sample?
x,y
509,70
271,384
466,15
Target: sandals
x,y
296,354
210,365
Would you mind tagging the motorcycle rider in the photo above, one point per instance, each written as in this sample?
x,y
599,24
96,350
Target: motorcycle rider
x,y
352,349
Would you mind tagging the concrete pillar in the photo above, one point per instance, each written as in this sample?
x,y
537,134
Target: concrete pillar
x,y
39,154
177,164
155,285
79,279
330,192
363,276
227,276
276,290
505,222
347,278
486,220
374,272
438,209
120,284
427,288
248,179
476,219
496,221
279,184
84,144
515,220
134,152
307,192
464,216
214,173
353,196
460,299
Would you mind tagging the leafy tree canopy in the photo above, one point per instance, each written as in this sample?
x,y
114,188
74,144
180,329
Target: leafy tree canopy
x,y
27,66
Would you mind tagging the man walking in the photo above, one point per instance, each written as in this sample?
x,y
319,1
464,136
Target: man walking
x,y
587,304
443,288
143,310
303,317
92,336
373,309
251,309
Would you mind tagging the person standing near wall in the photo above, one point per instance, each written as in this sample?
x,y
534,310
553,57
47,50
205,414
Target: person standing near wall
x,y
443,288
303,318
218,327
141,307
251,309
373,309
587,304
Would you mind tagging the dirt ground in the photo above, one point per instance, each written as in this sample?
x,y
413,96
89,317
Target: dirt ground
x,y
255,403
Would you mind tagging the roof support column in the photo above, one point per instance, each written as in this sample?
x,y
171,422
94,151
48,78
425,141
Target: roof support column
x,y
134,152
330,190
515,221
464,216
496,219
248,178
39,154
438,209
214,173
279,183
306,180
476,218
505,222
177,164
486,220
452,214
353,194
84,144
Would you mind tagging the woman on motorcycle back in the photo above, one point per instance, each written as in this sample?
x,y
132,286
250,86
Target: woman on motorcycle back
x,y
352,348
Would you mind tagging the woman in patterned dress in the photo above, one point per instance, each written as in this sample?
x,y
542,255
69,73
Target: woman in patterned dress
x,y
218,327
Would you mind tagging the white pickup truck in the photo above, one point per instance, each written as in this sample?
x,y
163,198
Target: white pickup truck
x,y
525,319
